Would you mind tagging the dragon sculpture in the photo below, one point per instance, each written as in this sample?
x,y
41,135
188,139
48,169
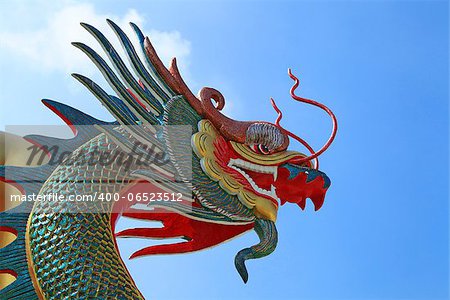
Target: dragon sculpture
x,y
231,175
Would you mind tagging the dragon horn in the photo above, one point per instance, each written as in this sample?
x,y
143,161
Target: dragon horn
x,y
171,77
229,128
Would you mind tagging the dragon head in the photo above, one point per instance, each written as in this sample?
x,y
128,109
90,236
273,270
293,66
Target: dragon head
x,y
252,160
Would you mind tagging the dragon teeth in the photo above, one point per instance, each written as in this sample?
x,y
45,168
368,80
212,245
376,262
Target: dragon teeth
x,y
253,167
239,164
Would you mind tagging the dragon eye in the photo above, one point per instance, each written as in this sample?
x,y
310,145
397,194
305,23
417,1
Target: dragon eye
x,y
260,149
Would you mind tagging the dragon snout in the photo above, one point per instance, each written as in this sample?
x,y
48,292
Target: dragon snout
x,y
296,183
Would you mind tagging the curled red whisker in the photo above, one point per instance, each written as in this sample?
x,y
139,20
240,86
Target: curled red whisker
x,y
296,137
313,155
307,146
280,114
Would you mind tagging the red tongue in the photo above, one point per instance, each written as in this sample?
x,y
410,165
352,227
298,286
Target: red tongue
x,y
262,180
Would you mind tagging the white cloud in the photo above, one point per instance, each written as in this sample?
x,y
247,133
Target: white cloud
x,y
47,45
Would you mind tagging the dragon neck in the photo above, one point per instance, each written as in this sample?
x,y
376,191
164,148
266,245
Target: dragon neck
x,y
70,246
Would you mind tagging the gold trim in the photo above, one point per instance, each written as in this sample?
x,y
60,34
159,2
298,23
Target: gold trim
x,y
6,279
6,238
7,194
34,280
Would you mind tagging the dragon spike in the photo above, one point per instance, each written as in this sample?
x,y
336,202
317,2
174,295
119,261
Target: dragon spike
x,y
116,107
122,116
117,85
155,78
136,63
122,70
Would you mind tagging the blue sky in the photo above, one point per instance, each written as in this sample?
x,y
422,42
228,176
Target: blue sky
x,y
382,66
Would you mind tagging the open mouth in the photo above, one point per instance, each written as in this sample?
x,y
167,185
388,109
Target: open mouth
x,y
247,169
